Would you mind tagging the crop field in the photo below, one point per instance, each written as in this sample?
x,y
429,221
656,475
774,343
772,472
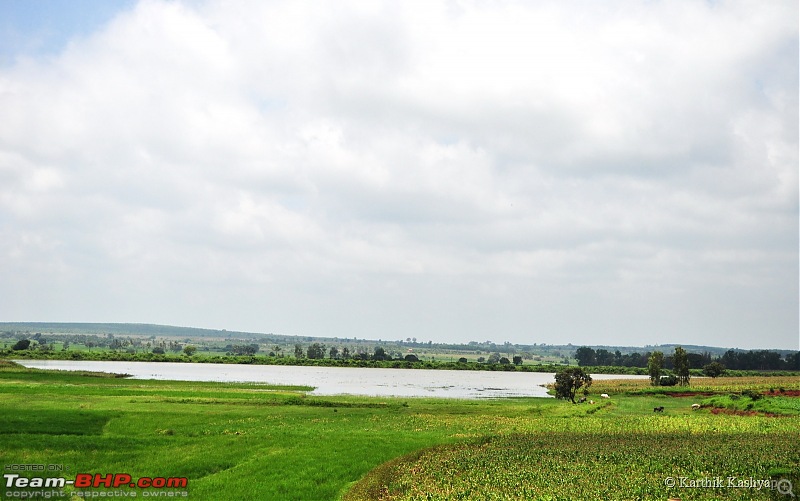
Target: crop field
x,y
245,441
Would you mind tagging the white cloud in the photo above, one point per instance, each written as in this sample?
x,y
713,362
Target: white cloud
x,y
552,172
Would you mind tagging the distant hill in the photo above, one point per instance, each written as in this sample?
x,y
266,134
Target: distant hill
x,y
122,329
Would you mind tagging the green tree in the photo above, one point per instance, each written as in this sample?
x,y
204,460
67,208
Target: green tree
x,y
244,349
22,344
654,365
189,350
569,381
586,356
517,360
714,369
315,351
680,362
298,351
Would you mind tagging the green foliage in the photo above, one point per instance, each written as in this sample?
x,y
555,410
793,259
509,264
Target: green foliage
x,y
714,369
315,351
189,350
655,363
680,361
753,402
586,356
22,344
243,349
752,394
568,381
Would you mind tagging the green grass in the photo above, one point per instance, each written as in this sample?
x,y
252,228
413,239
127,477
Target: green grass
x,y
776,405
245,441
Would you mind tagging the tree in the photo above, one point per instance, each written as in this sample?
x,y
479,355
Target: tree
x,y
462,360
793,361
333,353
298,351
585,356
158,350
568,381
654,365
680,362
243,349
504,361
713,369
22,344
604,357
189,350
315,351
380,354
517,360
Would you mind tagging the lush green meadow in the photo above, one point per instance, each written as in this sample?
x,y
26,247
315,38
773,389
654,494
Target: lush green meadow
x,y
246,441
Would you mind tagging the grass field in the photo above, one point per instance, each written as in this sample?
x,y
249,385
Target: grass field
x,y
244,441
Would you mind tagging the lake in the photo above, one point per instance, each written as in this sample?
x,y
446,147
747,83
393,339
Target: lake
x,y
337,380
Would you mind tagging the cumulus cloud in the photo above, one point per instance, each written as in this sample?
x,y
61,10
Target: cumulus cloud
x,y
620,173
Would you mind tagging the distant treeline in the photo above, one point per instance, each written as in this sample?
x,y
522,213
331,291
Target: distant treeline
x,y
753,360
120,356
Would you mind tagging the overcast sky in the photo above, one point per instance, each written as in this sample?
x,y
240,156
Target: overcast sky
x,y
617,173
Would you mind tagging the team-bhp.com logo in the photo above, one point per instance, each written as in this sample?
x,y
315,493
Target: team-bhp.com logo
x,y
91,481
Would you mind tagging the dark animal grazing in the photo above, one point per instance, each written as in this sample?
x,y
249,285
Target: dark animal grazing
x,y
582,400
658,409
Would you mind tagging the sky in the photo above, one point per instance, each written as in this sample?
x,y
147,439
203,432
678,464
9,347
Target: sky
x,y
603,173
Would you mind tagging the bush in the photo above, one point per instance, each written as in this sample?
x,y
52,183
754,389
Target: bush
x,y
22,344
670,380
754,395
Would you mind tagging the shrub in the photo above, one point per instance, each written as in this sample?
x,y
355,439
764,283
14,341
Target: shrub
x,y
22,344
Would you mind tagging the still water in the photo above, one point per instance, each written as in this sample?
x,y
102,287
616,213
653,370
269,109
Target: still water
x,y
336,380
